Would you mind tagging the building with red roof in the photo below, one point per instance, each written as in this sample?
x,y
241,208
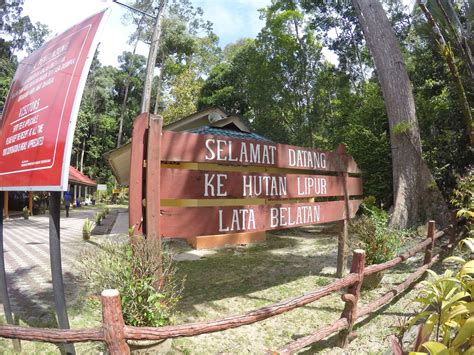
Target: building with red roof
x,y
82,185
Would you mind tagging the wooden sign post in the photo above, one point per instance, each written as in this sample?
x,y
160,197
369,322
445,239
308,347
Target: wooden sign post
x,y
186,185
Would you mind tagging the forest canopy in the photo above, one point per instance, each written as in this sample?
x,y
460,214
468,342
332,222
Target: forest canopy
x,y
308,78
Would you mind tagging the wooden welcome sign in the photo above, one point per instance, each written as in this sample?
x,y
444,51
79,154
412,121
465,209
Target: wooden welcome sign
x,y
184,184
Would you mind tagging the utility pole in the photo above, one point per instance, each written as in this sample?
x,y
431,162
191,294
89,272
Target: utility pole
x,y
127,87
150,66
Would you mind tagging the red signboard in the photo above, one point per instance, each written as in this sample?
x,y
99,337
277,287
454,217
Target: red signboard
x,y
196,221
197,184
286,186
190,147
39,118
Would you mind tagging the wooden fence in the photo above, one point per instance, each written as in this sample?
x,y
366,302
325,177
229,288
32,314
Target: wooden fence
x,y
115,333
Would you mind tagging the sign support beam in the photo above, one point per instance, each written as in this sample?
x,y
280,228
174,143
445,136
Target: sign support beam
x,y
30,202
56,267
140,125
152,182
5,204
153,177
344,224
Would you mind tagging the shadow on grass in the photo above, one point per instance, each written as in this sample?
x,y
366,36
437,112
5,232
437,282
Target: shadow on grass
x,y
333,340
238,272
36,307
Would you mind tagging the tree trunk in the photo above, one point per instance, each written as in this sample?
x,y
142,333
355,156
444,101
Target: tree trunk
x,y
127,87
150,66
158,91
416,195
83,151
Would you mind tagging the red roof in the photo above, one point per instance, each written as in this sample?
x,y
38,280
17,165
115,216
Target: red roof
x,y
76,177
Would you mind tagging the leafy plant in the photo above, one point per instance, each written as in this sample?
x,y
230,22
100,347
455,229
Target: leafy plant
x,y
372,233
133,271
448,314
26,212
402,127
87,229
463,200
98,218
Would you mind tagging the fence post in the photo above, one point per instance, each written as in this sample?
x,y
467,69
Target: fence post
x,y
113,324
429,248
352,296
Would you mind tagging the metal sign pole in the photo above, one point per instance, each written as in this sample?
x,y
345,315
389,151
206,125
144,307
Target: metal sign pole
x,y
3,281
56,267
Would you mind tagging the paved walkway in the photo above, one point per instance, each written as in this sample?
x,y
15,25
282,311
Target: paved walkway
x,y
26,244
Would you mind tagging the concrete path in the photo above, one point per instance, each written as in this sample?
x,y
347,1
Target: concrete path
x,y
121,223
26,244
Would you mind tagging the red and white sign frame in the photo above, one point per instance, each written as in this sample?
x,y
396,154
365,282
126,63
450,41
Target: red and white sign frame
x,y
17,172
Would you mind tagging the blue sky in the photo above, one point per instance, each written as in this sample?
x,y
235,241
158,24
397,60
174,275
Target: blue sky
x,y
233,19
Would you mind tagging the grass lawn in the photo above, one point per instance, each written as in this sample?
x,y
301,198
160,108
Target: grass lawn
x,y
238,279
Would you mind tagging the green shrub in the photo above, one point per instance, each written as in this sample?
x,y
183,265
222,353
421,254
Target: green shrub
x,y
86,229
26,212
447,317
98,218
145,301
463,200
372,233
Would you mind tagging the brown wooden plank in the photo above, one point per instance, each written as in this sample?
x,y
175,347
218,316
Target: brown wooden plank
x,y
189,147
195,221
153,168
193,184
135,217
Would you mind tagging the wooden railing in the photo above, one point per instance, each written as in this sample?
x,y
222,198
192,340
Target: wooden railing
x,y
115,333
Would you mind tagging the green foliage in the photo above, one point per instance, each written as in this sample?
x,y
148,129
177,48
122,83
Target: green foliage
x,y
448,311
133,272
185,88
371,233
266,81
26,212
87,229
18,32
98,218
445,144
463,196
402,127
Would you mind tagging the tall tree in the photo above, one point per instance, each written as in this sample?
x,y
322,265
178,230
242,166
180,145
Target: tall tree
x,y
17,33
416,195
188,49
448,56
